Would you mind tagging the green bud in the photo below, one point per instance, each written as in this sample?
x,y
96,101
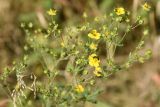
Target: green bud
x,y
145,32
22,25
30,25
85,72
45,71
141,22
92,82
25,57
84,15
141,60
127,20
127,65
25,47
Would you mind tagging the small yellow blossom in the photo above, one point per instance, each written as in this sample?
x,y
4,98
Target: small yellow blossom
x,y
94,34
79,88
146,6
52,12
120,11
62,44
94,60
93,46
98,71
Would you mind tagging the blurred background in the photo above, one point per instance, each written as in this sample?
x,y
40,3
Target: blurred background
x,y
138,87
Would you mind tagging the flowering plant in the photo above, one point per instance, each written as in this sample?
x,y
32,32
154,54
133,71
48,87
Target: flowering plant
x,y
69,60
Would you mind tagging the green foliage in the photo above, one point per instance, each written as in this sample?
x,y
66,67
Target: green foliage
x,y
70,60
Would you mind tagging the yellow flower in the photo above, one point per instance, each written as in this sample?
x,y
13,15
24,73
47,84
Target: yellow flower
x,y
52,12
98,71
146,6
94,60
62,44
120,11
93,46
79,88
94,34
